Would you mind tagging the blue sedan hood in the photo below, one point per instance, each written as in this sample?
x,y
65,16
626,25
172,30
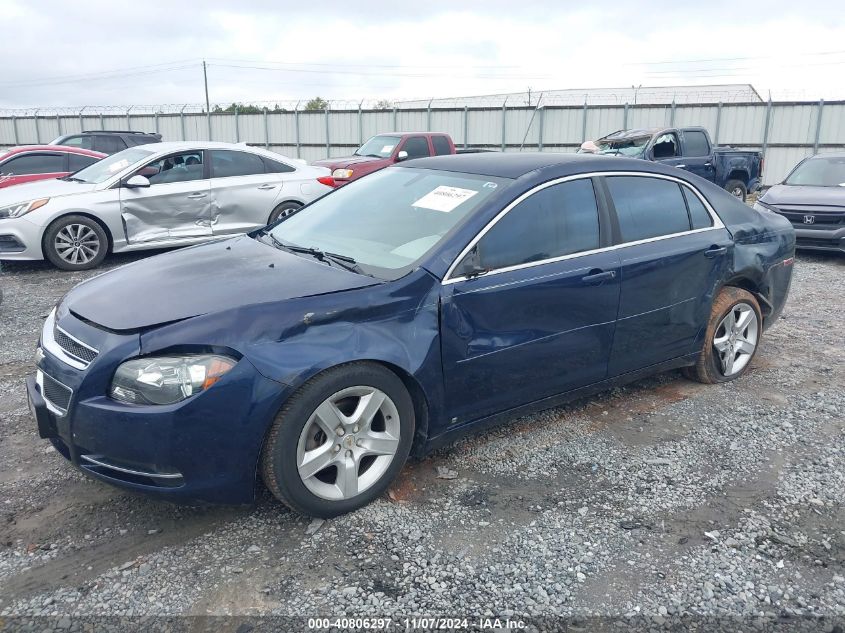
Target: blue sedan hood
x,y
203,279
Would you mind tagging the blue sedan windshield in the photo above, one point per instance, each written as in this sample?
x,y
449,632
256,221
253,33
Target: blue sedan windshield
x,y
389,220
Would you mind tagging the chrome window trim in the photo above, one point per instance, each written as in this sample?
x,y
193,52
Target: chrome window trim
x,y
717,224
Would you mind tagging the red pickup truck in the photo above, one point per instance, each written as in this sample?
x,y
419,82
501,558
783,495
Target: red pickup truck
x,y
386,149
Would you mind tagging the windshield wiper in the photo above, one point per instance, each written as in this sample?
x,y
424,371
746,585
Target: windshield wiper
x,y
344,261
72,179
373,155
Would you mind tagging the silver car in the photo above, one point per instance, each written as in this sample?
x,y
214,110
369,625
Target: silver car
x,y
153,196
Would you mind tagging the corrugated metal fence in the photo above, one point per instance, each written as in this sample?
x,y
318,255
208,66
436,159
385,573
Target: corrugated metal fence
x,y
785,131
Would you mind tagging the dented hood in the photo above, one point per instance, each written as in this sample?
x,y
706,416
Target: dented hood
x,y
201,280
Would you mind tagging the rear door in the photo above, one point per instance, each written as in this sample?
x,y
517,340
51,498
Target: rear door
x,y
244,192
673,254
541,321
178,204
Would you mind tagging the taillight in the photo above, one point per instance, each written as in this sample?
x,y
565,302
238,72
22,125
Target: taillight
x,y
327,180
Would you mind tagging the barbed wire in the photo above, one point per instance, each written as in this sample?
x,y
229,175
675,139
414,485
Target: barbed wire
x,y
634,96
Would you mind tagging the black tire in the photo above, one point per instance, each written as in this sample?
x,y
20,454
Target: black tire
x,y
95,237
708,369
737,189
278,464
283,210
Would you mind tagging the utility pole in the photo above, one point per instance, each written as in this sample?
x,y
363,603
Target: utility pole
x,y
205,80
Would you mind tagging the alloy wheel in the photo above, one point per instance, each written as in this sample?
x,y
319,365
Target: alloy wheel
x,y
348,443
77,244
736,338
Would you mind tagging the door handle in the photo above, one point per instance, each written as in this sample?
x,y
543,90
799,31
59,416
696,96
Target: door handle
x,y
267,186
715,251
680,166
194,196
597,276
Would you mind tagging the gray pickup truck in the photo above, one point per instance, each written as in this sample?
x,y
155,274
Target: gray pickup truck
x,y
690,148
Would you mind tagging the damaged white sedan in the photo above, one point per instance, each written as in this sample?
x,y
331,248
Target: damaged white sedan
x,y
153,196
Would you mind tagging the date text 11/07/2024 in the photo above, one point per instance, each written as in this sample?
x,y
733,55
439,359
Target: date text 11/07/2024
x,y
416,623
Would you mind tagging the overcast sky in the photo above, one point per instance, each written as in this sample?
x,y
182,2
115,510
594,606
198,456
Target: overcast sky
x,y
58,53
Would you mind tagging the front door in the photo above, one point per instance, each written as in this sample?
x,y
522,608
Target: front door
x,y
540,321
178,204
673,252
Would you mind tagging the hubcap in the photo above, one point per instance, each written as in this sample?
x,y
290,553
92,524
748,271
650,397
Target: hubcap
x,y
737,192
736,338
348,443
77,244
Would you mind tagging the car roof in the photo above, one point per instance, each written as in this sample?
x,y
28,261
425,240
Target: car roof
x,y
52,148
517,164
633,133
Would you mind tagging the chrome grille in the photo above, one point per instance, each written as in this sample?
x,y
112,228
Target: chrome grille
x,y
73,347
56,393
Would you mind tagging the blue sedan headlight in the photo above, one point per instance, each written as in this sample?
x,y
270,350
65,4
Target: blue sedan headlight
x,y
167,379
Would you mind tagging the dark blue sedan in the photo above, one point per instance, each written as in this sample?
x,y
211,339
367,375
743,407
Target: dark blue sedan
x,y
398,312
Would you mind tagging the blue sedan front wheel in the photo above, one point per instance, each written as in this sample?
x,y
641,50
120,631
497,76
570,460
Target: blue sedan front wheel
x,y
340,440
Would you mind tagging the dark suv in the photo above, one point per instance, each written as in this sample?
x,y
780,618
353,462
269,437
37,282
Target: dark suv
x,y
107,141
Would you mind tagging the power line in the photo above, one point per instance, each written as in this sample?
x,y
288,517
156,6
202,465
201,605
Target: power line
x,y
378,74
112,74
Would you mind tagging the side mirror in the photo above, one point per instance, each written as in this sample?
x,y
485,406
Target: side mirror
x,y
403,155
136,182
471,266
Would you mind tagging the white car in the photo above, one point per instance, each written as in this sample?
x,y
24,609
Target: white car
x,y
153,196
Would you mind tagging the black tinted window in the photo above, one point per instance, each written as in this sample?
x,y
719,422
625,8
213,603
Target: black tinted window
x,y
696,144
226,163
34,164
108,144
177,168
441,145
558,220
698,214
275,167
417,147
84,141
648,207
77,161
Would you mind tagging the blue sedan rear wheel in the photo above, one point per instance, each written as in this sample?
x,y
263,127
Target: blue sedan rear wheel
x,y
732,337
340,440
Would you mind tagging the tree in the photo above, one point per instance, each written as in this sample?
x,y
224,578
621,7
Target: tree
x,y
317,103
383,104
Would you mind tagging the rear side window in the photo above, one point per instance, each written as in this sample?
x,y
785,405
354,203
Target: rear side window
x,y
698,214
226,163
441,145
417,147
34,164
108,144
696,143
275,167
559,220
84,141
648,207
78,161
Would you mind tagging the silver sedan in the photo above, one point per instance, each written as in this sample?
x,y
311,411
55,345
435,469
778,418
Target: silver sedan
x,y
153,196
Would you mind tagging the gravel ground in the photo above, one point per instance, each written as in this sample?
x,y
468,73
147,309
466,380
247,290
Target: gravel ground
x,y
664,502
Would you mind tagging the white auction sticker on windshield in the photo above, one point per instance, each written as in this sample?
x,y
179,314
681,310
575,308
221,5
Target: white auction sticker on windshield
x,y
444,198
119,165
387,149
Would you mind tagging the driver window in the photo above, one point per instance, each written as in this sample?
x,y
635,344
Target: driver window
x,y
417,147
666,146
182,167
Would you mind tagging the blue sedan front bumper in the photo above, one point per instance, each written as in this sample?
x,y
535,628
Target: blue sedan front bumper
x,y
203,449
